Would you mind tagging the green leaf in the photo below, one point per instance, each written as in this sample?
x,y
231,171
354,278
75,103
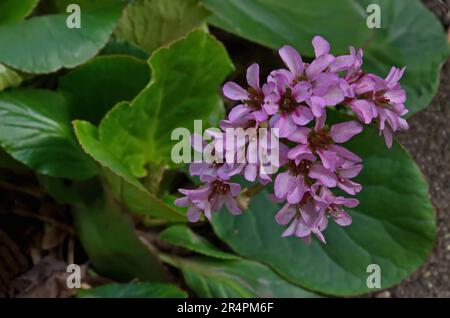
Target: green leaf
x,y
119,47
121,78
14,11
124,186
185,82
142,290
35,130
275,23
108,237
9,78
61,5
155,23
234,279
410,35
45,44
407,28
394,227
181,235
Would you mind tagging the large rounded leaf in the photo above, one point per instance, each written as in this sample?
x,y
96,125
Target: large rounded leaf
x,y
13,10
123,185
109,239
409,35
186,78
181,235
234,279
393,227
45,44
121,78
35,130
155,23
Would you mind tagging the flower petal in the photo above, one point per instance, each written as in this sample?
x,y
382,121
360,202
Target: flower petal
x,y
183,202
347,202
388,137
296,194
344,153
300,151
342,63
286,126
311,215
349,186
292,59
301,91
300,135
342,132
351,172
286,214
363,109
260,115
319,65
197,168
283,183
290,230
196,194
302,230
321,46
325,176
302,115
319,235
231,204
234,92
251,171
344,219
253,76
238,112
194,214
235,188
396,96
333,96
317,105
329,159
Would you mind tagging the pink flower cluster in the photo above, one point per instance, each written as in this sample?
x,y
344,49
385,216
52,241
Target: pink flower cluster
x,y
295,100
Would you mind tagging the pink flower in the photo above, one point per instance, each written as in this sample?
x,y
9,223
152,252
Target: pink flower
x,y
310,215
260,165
290,186
198,202
334,206
287,102
214,167
252,99
303,91
321,141
383,99
340,177
295,100
305,219
210,198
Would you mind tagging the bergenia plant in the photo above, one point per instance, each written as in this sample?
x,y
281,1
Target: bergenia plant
x,y
219,148
313,162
